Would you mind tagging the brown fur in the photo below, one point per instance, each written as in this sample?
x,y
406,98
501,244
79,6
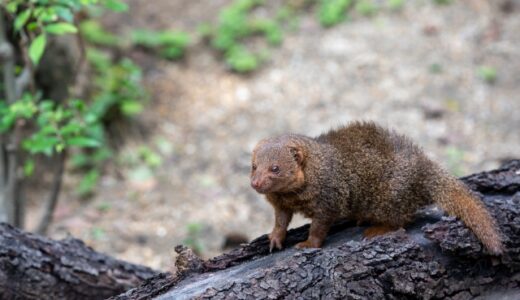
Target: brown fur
x,y
361,172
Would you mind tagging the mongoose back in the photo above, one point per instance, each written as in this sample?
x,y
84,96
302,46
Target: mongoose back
x,y
359,172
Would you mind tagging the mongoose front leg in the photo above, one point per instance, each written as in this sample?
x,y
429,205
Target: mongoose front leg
x,y
282,220
317,233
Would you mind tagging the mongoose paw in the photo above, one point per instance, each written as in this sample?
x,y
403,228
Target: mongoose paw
x,y
276,241
374,231
307,244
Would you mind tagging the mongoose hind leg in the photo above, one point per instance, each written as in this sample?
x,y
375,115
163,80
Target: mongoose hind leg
x,y
317,234
376,230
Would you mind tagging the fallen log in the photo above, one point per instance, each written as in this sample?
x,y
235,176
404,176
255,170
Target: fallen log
x,y
435,257
35,267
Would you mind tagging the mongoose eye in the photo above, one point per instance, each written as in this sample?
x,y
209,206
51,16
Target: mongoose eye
x,y
253,167
275,169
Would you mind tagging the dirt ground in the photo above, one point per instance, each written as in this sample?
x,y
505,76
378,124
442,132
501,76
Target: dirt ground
x,y
413,70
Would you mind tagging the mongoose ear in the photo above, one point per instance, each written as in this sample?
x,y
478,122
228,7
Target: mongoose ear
x,y
298,154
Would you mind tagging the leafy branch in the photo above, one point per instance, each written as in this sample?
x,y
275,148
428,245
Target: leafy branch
x,y
51,126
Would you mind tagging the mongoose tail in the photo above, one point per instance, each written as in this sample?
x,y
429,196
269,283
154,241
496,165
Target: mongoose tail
x,y
457,200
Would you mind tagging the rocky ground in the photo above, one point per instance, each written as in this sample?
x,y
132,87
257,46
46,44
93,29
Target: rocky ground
x,y
415,71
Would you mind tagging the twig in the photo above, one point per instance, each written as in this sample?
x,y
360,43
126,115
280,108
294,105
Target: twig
x,y
7,59
22,81
82,49
51,202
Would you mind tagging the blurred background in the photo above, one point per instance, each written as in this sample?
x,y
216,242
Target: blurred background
x,y
141,115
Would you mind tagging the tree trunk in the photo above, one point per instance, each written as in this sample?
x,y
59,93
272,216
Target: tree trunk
x,y
435,258
8,155
35,267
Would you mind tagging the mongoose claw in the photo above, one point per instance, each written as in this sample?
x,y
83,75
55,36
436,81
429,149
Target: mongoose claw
x,y
307,244
275,242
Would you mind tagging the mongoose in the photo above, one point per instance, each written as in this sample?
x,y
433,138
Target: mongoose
x,y
360,172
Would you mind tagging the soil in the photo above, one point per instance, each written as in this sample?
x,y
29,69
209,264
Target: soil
x,y
415,70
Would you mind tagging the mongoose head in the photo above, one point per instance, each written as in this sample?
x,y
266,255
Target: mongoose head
x,y
277,165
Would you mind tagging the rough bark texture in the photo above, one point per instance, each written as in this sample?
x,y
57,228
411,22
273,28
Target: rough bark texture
x,y
436,257
34,267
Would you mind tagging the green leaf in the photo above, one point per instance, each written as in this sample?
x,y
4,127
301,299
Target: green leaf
x,y
241,60
37,47
47,15
332,12
131,108
151,158
80,160
116,5
60,28
83,142
98,233
46,105
172,53
65,14
59,147
71,128
77,104
7,121
32,26
48,129
39,143
487,73
395,4
89,181
12,7
21,19
95,33
101,154
28,167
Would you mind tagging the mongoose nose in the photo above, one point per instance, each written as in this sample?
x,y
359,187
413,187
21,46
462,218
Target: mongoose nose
x,y
255,183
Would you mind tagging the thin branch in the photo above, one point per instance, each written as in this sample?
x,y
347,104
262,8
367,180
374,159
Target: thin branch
x,y
23,81
3,164
82,49
7,59
26,79
3,181
19,194
77,83
51,202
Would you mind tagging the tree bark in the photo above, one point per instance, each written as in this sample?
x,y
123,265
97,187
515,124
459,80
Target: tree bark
x,y
435,258
8,155
35,267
